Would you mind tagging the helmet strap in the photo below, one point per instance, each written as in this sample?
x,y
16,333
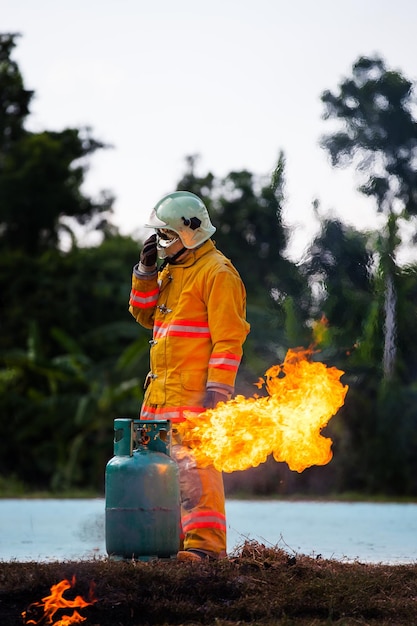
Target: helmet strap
x,y
172,259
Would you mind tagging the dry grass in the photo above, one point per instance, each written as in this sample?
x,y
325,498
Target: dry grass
x,y
258,585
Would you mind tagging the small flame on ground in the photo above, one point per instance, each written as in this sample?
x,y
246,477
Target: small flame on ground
x,y
302,397
55,602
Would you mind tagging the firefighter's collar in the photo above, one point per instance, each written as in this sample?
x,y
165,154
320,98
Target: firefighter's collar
x,y
195,254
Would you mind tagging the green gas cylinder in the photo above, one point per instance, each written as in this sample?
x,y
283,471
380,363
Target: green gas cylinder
x,y
142,492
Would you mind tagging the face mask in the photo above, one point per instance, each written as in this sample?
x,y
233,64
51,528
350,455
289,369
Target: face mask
x,y
164,239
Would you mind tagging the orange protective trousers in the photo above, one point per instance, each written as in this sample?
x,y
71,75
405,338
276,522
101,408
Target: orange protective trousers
x,y
203,516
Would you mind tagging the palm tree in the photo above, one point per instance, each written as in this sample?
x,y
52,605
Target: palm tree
x,y
379,137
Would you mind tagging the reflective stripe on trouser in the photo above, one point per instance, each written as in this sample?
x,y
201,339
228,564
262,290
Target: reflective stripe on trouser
x,y
202,504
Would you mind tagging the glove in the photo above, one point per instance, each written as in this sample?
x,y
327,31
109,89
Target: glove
x,y
148,254
212,398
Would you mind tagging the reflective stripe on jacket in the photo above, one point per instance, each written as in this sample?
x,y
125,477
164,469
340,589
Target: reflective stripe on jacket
x,y
197,310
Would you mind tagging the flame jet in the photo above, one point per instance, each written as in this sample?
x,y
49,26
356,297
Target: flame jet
x,y
302,397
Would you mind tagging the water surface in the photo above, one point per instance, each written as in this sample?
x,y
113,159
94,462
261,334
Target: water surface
x,y
51,530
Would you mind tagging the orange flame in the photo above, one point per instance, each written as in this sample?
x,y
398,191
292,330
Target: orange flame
x,y
55,601
242,433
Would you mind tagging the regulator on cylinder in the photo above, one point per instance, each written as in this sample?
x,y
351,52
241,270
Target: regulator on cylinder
x,y
142,492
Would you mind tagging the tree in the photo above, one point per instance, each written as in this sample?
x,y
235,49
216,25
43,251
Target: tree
x,y
379,137
61,409
339,267
71,356
14,98
72,359
41,174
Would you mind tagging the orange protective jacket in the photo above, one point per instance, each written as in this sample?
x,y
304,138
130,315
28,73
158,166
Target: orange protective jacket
x,y
197,310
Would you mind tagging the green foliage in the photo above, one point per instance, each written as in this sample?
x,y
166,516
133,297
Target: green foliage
x,y
72,359
379,136
34,159
14,98
45,169
339,268
60,410
375,106
71,356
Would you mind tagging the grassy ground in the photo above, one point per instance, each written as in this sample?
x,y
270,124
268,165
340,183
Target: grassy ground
x,y
257,586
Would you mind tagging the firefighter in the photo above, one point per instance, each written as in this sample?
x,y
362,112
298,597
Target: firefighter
x,y
196,306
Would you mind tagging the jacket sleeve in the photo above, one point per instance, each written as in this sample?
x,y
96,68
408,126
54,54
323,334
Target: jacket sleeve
x,y
144,296
226,307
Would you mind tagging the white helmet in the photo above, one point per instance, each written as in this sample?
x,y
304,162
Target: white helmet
x,y
184,213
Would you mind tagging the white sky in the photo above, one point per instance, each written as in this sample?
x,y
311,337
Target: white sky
x,y
235,81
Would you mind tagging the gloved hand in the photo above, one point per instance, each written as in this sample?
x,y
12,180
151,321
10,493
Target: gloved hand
x,y
212,398
148,254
